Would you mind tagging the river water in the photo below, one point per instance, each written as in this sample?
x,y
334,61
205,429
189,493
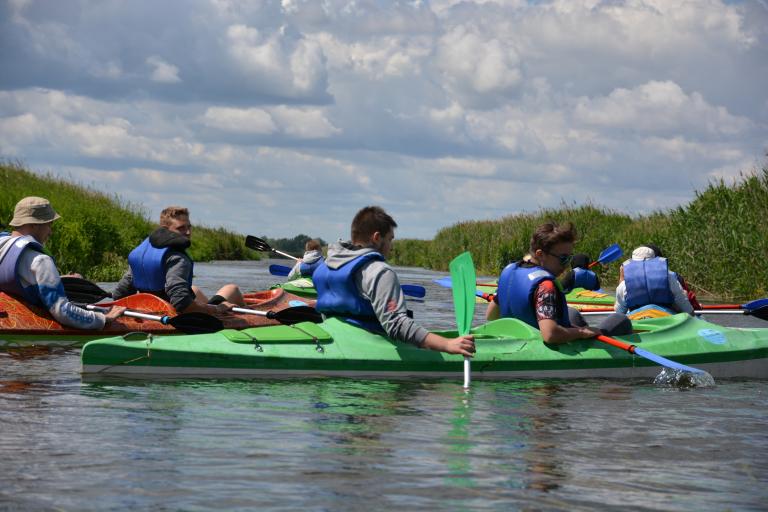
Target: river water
x,y
341,444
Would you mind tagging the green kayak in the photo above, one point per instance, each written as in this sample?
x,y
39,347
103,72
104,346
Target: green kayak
x,y
303,287
506,348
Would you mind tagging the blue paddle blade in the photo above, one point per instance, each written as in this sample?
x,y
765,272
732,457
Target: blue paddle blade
x,y
755,304
609,254
279,270
663,361
414,290
445,282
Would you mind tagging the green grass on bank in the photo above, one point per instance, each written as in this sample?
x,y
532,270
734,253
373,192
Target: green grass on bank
x,y
97,231
718,242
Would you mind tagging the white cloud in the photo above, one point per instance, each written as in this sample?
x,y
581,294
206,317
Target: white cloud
x,y
251,120
659,106
162,71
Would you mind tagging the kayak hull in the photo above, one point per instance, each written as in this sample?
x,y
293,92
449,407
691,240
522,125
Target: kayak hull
x,y
25,325
506,349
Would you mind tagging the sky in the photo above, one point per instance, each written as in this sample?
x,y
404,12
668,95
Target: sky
x,y
284,117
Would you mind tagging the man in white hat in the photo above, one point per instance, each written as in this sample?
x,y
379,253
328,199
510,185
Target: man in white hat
x,y
31,275
646,279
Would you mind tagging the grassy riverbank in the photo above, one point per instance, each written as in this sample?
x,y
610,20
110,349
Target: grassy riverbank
x,y
719,241
97,231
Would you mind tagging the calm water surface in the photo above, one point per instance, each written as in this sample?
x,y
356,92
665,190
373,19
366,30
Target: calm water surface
x,y
340,444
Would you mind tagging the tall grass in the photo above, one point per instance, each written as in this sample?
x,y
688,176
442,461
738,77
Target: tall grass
x,y
718,242
97,230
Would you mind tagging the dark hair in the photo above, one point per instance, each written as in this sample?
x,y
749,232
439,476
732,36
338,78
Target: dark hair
x,y
370,220
580,260
312,245
550,234
656,250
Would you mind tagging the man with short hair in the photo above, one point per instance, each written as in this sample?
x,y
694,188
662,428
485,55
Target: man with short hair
x,y
160,265
31,275
356,284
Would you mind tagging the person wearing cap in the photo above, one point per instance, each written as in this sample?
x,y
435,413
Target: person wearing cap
x,y
161,266
306,266
529,290
646,279
31,275
580,276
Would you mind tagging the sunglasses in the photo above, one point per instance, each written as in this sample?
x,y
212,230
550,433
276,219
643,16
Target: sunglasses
x,y
564,259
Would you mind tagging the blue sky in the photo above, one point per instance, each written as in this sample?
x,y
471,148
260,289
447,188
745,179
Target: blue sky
x,y
281,117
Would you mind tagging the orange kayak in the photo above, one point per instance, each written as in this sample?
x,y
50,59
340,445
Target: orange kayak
x,y
23,324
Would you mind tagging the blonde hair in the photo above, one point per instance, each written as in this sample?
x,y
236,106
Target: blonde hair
x,y
172,212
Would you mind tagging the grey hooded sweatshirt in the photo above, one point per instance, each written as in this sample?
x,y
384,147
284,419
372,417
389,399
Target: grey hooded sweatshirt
x,y
378,283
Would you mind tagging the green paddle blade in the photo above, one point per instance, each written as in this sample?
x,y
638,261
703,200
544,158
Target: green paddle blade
x,y
463,278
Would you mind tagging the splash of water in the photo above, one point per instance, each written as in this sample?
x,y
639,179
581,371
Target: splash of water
x,y
682,379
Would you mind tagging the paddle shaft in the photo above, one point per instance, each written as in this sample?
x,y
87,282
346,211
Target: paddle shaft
x,y
633,349
135,314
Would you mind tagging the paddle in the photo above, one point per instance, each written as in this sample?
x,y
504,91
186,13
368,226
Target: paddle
x,y
609,254
287,316
83,291
634,349
755,304
445,282
189,323
412,290
259,244
761,312
463,274
279,270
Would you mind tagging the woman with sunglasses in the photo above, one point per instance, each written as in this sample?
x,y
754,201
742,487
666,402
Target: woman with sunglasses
x,y
528,290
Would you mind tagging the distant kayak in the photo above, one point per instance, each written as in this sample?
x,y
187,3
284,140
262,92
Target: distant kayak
x,y
22,324
506,349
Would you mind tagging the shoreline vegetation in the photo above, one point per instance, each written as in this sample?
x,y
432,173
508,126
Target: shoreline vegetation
x,y
718,242
98,230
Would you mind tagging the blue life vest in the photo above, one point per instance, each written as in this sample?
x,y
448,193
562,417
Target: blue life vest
x,y
583,278
9,277
308,269
337,293
517,286
147,264
647,282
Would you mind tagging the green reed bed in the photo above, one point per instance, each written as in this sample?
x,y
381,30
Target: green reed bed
x,y
718,242
97,230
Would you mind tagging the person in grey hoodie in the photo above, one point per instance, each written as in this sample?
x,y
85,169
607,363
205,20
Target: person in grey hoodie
x,y
307,265
356,284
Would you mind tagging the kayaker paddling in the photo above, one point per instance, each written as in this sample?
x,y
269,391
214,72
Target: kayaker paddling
x,y
160,265
306,266
528,290
356,284
31,275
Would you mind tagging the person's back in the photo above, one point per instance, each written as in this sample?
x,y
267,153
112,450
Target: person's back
x,y
306,266
580,276
31,275
355,284
647,280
